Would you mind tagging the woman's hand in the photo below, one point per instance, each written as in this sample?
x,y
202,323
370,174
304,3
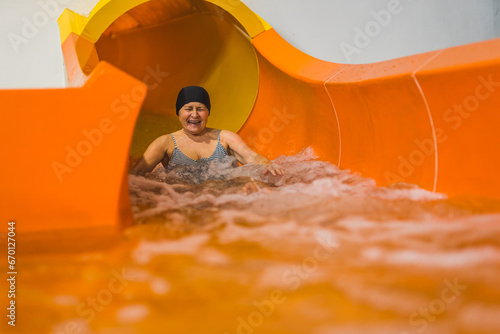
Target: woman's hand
x,y
245,155
273,169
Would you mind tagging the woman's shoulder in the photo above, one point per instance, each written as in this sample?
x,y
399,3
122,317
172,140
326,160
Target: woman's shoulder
x,y
214,130
214,133
230,138
165,137
228,134
164,140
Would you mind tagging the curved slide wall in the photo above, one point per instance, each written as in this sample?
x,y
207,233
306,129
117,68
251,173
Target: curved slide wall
x,y
428,119
368,31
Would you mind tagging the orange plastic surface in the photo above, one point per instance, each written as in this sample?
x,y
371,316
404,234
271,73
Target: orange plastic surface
x,y
67,153
394,121
428,119
80,58
292,110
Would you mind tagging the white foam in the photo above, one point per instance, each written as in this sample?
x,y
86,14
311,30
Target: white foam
x,y
131,314
146,250
371,237
66,300
480,317
469,258
160,286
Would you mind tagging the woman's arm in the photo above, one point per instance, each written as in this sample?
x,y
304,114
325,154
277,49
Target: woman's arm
x,y
155,152
245,155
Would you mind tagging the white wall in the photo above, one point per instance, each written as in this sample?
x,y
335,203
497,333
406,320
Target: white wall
x,y
31,56
336,30
496,10
30,46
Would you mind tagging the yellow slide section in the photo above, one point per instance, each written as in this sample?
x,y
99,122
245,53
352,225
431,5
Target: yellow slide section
x,y
412,119
172,44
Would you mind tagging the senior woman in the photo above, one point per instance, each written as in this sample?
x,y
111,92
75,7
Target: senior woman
x,y
195,142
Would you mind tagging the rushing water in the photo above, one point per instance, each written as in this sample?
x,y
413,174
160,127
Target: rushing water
x,y
318,250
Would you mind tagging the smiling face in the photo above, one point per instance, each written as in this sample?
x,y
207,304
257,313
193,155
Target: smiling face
x,y
193,117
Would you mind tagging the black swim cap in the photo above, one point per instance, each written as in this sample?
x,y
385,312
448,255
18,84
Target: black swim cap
x,y
192,94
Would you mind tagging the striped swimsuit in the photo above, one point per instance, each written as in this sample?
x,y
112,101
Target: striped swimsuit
x,y
179,158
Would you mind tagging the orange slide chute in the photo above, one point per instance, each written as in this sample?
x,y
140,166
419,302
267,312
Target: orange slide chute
x,y
429,119
67,153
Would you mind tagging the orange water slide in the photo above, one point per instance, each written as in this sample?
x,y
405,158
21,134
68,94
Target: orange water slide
x,y
428,119
66,163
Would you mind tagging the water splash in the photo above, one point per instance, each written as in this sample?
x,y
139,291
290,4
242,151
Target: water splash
x,y
319,250
385,253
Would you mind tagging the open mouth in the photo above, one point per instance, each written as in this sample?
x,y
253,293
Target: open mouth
x,y
194,122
